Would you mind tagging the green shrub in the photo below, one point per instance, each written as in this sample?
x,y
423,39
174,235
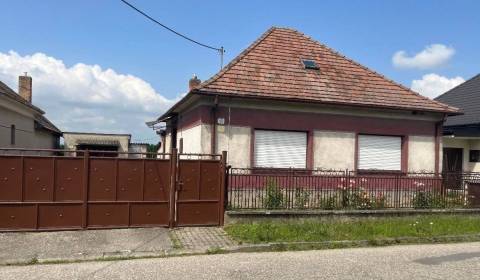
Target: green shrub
x,y
274,195
330,203
424,199
455,199
379,202
356,199
302,197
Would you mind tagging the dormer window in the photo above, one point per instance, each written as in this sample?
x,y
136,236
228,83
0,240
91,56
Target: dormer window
x,y
310,64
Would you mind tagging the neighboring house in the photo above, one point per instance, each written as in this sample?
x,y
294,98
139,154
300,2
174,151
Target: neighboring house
x,y
140,148
98,143
461,140
288,101
22,124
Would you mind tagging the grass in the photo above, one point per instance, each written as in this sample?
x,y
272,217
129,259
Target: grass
x,y
366,229
214,251
177,244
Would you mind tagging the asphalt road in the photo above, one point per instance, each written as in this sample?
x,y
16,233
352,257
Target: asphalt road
x,y
452,261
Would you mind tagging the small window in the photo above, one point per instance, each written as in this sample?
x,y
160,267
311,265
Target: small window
x,y
12,134
474,155
310,64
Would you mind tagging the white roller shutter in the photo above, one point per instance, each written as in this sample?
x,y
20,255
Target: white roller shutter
x,y
379,152
280,149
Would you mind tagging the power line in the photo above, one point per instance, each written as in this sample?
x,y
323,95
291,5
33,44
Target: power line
x,y
220,50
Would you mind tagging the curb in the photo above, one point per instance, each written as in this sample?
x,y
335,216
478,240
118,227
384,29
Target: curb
x,y
245,248
301,246
107,256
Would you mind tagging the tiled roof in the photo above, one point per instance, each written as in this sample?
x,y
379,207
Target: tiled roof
x,y
272,68
466,97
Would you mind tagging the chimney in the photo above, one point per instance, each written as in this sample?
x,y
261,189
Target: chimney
x,y
25,87
194,83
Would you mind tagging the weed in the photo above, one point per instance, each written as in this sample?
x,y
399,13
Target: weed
x,y
274,195
302,198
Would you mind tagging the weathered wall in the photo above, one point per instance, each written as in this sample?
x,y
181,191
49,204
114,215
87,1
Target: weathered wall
x,y
334,130
45,140
334,150
421,153
192,142
26,136
236,141
168,142
206,139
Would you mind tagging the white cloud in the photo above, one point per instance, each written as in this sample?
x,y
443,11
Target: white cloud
x,y
86,97
431,57
432,85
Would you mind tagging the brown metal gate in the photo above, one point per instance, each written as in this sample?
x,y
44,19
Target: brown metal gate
x,y
62,190
200,193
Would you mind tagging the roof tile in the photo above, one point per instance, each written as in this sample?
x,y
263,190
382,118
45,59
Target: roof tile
x,y
271,68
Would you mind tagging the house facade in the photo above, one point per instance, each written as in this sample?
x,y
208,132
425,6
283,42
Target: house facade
x,y
461,140
22,124
288,101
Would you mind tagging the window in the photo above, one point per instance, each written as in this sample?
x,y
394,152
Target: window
x,y
310,64
474,155
280,149
12,134
379,152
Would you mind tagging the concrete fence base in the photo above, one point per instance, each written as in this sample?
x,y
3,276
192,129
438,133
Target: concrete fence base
x,y
285,215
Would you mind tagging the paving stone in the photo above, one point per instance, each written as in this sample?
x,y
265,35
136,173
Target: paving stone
x,y
194,238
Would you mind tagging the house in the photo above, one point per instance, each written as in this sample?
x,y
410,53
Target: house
x,y
22,124
288,101
104,144
461,140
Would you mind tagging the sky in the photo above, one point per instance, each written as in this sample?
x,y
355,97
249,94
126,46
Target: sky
x,y
99,66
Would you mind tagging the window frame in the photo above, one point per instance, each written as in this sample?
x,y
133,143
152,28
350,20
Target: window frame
x,y
471,157
12,134
307,67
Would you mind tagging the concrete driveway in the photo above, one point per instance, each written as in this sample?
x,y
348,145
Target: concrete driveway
x,y
451,261
78,245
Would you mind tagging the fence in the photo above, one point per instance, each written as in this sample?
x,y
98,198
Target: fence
x,y
329,190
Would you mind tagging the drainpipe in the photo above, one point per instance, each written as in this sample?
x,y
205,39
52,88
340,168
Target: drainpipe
x,y
214,126
438,135
173,132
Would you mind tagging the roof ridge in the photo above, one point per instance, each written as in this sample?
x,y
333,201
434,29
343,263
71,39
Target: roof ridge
x,y
237,58
371,70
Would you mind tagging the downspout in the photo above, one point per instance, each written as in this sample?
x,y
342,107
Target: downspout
x,y
214,126
173,132
438,135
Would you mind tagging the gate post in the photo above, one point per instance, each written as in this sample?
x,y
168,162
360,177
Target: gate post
x,y
86,181
173,183
223,189
173,186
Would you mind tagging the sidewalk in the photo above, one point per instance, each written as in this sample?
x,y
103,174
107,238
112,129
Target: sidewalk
x,y
83,245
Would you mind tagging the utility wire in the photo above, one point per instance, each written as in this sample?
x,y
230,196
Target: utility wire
x,y
221,50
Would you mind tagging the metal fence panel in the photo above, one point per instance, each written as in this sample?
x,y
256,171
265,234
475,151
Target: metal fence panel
x,y
317,189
